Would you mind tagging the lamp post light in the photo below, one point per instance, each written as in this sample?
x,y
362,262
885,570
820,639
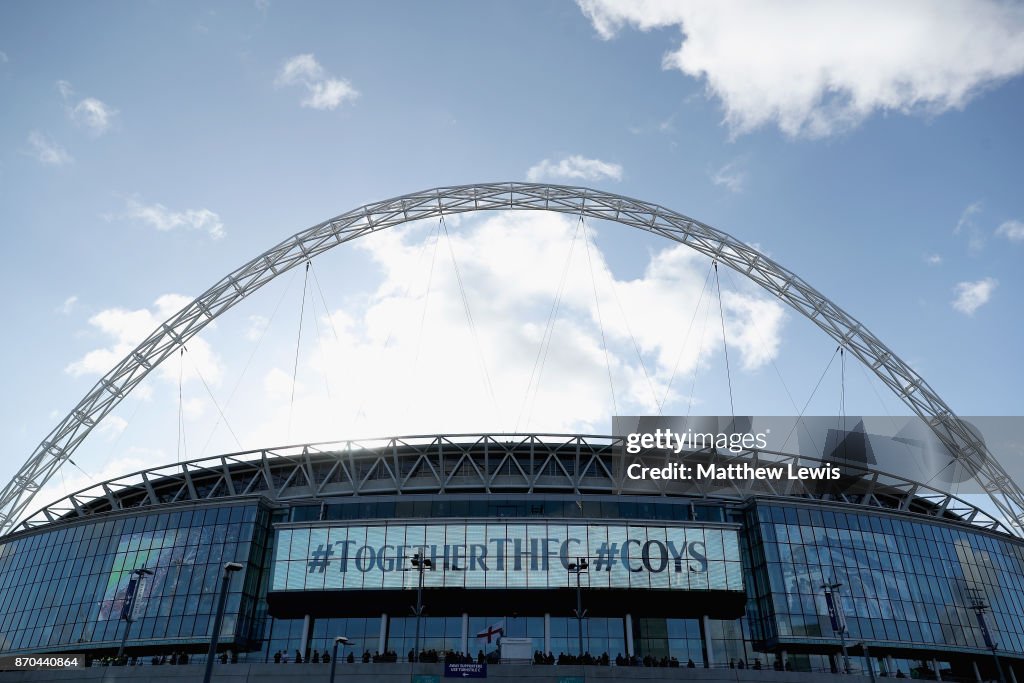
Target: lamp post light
x,y
129,605
980,607
229,569
835,613
334,659
419,564
578,567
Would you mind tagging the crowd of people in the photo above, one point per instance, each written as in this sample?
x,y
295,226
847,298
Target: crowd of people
x,y
434,656
603,659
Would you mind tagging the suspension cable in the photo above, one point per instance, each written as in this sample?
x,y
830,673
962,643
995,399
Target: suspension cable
x,y
298,345
252,354
545,341
700,352
725,344
327,310
841,417
181,414
686,339
632,337
469,318
213,398
600,319
330,323
423,319
799,417
319,338
764,345
775,366
435,231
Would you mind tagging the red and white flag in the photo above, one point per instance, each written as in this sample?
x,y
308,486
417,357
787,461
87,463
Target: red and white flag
x,y
493,631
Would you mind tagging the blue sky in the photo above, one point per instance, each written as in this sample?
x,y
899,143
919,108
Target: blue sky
x,y
146,149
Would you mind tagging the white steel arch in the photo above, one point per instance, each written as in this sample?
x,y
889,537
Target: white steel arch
x,y
164,341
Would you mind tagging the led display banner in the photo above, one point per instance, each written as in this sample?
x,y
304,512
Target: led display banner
x,y
537,555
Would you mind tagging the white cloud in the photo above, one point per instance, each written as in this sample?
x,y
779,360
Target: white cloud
x,y
731,176
47,151
1012,230
94,115
383,364
111,427
89,112
970,296
574,167
123,329
68,305
817,68
257,327
966,225
966,221
161,218
325,91
933,259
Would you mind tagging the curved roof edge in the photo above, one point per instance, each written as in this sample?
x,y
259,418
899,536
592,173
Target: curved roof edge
x,y
485,463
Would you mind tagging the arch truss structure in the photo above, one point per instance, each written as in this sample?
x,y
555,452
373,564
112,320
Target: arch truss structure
x,y
170,336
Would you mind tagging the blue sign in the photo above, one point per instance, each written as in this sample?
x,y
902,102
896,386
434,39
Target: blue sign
x,y
468,670
129,600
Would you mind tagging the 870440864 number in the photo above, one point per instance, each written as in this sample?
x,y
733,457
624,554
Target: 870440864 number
x,y
41,662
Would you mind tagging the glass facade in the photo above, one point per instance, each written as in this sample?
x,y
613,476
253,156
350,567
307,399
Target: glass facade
x,y
67,587
909,582
683,639
903,581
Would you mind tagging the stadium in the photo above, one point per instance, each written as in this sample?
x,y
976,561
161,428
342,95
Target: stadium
x,y
493,545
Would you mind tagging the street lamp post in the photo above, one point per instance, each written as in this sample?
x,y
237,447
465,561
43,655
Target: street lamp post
x,y
229,569
419,563
578,567
835,613
868,662
129,605
980,607
334,659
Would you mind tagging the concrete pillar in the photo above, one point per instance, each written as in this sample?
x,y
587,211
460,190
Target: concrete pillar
x,y
707,642
547,632
1013,677
464,644
977,673
935,668
782,658
307,623
629,635
382,637
890,665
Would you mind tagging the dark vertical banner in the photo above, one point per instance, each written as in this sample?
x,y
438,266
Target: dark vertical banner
x,y
984,631
835,613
